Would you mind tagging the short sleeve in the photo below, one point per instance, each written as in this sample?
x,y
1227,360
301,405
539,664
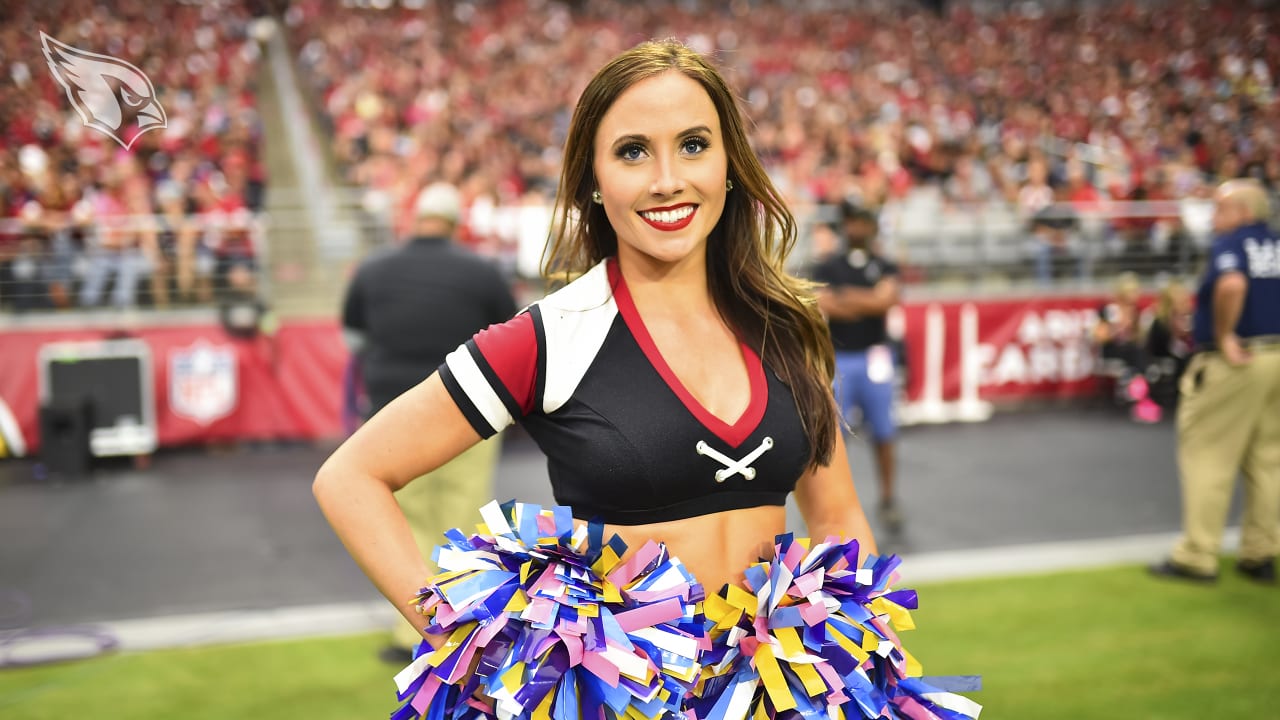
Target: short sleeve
x,y
1227,260
493,376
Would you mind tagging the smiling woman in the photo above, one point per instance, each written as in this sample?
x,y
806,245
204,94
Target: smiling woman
x,y
680,390
657,133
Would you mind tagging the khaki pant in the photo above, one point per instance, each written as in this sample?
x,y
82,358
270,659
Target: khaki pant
x,y
447,498
1228,423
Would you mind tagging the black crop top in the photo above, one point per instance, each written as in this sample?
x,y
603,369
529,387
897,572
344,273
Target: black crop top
x,y
625,441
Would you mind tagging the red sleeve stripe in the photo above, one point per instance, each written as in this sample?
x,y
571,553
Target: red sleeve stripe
x,y
495,382
509,355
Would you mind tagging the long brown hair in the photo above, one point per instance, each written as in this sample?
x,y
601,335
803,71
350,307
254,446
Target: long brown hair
x,y
772,311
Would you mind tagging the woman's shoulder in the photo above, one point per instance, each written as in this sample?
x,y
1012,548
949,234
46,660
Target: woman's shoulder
x,y
590,291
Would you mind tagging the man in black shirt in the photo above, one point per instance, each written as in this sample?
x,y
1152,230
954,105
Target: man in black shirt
x,y
407,308
860,289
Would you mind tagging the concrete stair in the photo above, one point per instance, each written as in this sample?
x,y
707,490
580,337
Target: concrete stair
x,y
311,225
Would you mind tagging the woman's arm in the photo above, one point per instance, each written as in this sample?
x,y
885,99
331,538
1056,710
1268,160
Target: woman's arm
x,y
413,435
830,505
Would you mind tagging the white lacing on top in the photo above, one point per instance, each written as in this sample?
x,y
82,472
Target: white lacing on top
x,y
734,467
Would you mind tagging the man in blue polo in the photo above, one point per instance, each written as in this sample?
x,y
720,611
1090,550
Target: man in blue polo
x,y
1229,414
861,288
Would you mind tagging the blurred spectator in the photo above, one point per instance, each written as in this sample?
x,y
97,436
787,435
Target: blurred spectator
x,y
970,182
1035,194
65,215
859,288
186,261
1086,207
117,251
1117,334
1168,341
42,266
229,234
16,195
1227,420
1049,223
1140,232
1080,193
26,286
825,243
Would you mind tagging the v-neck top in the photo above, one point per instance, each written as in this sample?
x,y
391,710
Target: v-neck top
x,y
626,442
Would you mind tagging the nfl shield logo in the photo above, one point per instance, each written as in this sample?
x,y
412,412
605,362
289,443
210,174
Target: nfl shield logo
x,y
203,385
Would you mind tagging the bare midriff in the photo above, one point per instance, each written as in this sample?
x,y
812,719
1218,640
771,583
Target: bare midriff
x,y
715,548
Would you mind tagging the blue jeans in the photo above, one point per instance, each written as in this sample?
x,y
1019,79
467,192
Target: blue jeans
x,y
126,265
871,393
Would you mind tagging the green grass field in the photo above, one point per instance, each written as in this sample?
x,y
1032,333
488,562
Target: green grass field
x,y
1108,644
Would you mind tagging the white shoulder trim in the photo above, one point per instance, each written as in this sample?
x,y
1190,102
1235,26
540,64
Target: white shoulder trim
x,y
575,321
589,291
478,388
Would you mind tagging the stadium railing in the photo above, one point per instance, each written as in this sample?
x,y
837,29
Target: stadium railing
x,y
44,267
945,248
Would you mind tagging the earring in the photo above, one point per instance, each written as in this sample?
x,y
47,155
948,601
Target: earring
x,y
728,184
596,197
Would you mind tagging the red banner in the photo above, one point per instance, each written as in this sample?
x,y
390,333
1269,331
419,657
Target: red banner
x,y
963,355
211,386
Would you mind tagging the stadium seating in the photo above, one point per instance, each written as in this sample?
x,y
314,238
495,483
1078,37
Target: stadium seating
x,y
86,221
875,102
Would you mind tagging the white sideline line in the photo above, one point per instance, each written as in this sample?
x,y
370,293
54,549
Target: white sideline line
x,y
1039,558
250,625
196,630
357,617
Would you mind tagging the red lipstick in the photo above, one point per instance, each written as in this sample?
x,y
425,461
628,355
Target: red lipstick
x,y
673,225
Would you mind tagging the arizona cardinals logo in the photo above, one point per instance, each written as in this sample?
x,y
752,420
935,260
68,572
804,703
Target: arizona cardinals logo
x,y
111,95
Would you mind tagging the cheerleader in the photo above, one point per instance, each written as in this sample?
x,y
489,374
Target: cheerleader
x,y
679,386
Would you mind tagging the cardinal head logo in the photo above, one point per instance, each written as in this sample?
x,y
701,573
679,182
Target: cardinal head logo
x,y
111,95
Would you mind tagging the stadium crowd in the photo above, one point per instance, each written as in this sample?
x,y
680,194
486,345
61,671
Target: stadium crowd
x,y
1016,103
1050,113
85,221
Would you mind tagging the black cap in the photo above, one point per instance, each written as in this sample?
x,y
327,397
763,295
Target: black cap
x,y
850,210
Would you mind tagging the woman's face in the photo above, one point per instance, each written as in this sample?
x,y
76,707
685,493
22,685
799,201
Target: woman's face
x,y
1181,301
661,166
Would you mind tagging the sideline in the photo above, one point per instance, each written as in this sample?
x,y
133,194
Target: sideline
x,y
236,626
1043,558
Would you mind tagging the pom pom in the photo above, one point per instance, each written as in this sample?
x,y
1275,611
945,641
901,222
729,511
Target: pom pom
x,y
812,634
546,621
542,619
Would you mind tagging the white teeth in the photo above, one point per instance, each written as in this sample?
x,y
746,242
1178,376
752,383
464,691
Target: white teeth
x,y
669,216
